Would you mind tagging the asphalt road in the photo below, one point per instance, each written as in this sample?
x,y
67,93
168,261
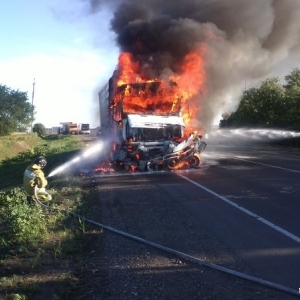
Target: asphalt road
x,y
246,196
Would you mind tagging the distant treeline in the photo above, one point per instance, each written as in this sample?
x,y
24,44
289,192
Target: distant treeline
x,y
270,105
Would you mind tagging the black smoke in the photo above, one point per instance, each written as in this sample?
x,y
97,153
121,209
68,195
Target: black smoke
x,y
240,40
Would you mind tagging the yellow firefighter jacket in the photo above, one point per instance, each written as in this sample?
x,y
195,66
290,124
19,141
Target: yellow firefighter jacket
x,y
33,175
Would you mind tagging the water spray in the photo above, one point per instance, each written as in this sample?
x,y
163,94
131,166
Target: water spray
x,y
255,134
76,159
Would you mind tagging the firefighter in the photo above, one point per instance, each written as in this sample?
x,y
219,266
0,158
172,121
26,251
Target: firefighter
x,y
34,177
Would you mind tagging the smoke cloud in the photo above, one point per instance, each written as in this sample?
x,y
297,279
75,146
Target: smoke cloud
x,y
239,40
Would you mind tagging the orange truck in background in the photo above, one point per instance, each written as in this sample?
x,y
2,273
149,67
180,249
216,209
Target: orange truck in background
x,y
69,128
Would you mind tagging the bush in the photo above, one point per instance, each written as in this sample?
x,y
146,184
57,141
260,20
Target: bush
x,y
39,128
25,222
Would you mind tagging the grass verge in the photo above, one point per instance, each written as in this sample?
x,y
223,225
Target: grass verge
x,y
40,249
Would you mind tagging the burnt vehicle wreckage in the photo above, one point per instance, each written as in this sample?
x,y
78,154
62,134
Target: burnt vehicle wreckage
x,y
159,154
146,127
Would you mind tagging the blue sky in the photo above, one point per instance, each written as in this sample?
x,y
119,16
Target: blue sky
x,y
68,52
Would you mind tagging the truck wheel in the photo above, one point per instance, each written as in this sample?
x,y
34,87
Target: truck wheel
x,y
194,161
172,164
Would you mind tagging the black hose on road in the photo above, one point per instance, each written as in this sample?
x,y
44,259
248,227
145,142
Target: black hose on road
x,y
180,254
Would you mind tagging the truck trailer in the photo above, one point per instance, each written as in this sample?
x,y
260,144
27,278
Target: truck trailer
x,y
144,127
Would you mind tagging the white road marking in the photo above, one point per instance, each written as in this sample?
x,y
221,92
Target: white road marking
x,y
254,162
248,212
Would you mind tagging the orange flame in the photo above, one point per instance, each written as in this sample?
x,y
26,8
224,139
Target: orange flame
x,y
128,69
155,96
104,168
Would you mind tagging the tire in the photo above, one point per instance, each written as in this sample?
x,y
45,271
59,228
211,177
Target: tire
x,y
172,164
194,161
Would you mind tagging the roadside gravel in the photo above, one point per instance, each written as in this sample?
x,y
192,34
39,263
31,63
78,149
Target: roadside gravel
x,y
118,267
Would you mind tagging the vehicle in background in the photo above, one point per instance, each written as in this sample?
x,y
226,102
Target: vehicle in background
x,y
84,128
72,127
69,128
99,131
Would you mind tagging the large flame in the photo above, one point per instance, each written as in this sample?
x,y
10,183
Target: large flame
x,y
104,167
161,96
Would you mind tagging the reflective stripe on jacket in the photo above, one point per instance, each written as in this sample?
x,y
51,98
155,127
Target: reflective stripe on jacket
x,y
33,175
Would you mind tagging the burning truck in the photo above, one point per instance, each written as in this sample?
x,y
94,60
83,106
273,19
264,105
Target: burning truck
x,y
144,122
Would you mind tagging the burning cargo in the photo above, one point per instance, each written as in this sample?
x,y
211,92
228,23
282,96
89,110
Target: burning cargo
x,y
145,124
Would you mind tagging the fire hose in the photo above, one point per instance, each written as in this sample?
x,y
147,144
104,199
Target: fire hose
x,y
175,252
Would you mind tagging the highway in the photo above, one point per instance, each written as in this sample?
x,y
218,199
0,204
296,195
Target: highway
x,y
246,196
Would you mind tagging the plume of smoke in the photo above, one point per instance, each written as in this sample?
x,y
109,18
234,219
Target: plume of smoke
x,y
240,41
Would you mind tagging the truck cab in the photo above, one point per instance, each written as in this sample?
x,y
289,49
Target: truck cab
x,y
84,128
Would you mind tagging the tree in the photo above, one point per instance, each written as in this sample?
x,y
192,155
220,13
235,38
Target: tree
x,y
263,106
16,113
39,128
292,92
293,80
271,103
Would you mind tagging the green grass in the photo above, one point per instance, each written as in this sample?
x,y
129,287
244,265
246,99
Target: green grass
x,y
31,236
57,149
16,143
